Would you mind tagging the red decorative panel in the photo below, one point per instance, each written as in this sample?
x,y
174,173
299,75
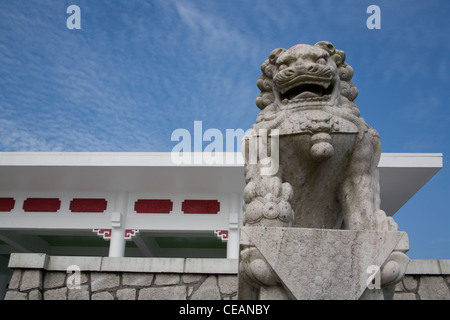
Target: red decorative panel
x,y
41,205
88,205
104,233
129,233
200,206
222,234
153,206
107,233
7,204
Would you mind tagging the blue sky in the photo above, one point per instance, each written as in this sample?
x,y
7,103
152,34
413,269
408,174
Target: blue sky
x,y
137,70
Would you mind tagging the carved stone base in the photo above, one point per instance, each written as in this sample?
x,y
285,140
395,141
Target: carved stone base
x,y
298,263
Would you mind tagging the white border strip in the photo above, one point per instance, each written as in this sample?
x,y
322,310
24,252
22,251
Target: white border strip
x,y
106,264
155,159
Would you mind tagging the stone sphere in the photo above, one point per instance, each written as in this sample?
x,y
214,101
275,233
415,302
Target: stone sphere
x,y
322,151
271,210
286,212
253,212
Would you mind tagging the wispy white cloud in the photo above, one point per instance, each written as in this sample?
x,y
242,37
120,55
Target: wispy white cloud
x,y
212,28
63,91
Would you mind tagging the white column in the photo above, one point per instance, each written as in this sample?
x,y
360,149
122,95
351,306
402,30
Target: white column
x,y
117,244
233,226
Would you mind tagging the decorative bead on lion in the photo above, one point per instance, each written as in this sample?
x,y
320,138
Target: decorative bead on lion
x,y
326,155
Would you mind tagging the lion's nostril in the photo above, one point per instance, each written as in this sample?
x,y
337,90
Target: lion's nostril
x,y
311,68
289,72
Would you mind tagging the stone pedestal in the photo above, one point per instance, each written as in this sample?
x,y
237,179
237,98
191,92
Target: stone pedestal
x,y
298,263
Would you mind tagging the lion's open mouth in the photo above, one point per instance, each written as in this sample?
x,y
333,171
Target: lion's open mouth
x,y
307,91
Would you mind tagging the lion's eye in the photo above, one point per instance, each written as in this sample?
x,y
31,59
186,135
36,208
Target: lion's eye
x,y
321,61
282,66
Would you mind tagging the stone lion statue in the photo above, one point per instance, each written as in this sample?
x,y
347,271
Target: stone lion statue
x,y
326,155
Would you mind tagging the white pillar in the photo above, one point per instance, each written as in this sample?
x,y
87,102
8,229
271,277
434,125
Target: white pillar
x,y
117,244
233,226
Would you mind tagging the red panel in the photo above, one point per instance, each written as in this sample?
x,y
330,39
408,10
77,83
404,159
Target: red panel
x,y
7,204
41,205
153,206
88,205
104,233
200,206
222,234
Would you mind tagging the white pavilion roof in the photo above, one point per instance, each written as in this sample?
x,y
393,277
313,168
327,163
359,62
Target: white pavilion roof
x,y
401,174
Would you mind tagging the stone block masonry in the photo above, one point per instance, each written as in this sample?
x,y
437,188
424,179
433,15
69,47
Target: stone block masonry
x,y
121,278
423,287
52,285
425,280
42,277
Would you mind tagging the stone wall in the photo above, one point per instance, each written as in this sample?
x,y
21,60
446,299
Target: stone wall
x,y
425,280
34,284
42,277
423,287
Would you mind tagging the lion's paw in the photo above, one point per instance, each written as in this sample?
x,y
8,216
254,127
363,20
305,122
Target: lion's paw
x,y
384,223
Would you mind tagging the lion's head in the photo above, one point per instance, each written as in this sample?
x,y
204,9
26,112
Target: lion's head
x,y
305,76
